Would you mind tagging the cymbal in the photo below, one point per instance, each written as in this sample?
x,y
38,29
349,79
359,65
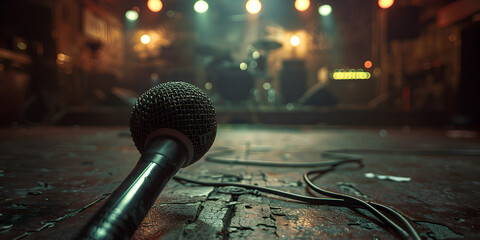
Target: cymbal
x,y
266,45
207,50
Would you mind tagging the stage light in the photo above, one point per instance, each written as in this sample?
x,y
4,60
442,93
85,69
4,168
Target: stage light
x,y
290,106
21,45
385,3
350,74
61,57
322,75
131,15
256,54
325,10
243,66
368,64
145,39
155,5
267,86
200,6
295,40
154,77
208,86
253,6
302,5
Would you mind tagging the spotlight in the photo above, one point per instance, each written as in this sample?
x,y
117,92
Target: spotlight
x,y
302,5
131,15
155,5
385,3
200,6
325,10
295,40
253,6
145,39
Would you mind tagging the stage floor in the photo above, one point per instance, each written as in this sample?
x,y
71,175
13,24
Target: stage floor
x,y
53,179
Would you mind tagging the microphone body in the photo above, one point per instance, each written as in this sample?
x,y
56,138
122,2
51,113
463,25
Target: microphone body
x,y
129,203
173,125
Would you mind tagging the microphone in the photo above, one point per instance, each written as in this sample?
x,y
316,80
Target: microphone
x,y
172,125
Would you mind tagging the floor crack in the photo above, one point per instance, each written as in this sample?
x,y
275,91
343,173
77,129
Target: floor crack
x,y
51,223
227,220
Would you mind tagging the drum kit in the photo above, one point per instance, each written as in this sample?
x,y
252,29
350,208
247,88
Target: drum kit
x,y
249,80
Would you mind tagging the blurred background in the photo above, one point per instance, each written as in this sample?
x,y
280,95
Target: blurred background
x,y
353,62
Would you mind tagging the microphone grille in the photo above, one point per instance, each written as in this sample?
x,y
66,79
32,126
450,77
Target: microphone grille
x,y
175,105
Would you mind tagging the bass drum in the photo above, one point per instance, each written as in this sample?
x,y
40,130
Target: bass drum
x,y
232,83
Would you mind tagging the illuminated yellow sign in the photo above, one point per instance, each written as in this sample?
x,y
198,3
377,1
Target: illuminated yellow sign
x,y
350,74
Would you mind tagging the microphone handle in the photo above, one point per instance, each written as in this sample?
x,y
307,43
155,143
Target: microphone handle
x,y
120,216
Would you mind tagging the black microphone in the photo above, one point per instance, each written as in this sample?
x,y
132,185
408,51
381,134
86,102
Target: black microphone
x,y
173,125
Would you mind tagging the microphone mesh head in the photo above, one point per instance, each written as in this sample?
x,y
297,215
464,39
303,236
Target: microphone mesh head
x,y
175,105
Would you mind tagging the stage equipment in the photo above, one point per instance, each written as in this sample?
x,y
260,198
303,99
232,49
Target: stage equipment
x,y
350,74
206,50
233,84
173,125
403,23
266,45
229,80
259,63
318,95
293,80
260,70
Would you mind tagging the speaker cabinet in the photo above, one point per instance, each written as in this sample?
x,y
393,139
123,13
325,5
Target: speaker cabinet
x,y
403,23
293,80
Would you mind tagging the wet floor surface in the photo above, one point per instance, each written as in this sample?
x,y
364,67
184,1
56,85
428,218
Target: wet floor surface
x,y
53,179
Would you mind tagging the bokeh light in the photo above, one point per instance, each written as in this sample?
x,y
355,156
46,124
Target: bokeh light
x,y
208,86
200,6
61,57
256,54
145,39
21,45
368,64
267,86
243,66
295,40
302,5
325,10
253,6
131,15
385,3
155,5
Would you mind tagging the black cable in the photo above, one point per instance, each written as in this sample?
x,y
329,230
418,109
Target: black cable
x,y
410,229
443,152
307,199
337,199
310,200
366,205
344,158
273,164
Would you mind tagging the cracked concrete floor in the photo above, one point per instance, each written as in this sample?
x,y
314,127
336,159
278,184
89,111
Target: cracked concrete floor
x,y
53,179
